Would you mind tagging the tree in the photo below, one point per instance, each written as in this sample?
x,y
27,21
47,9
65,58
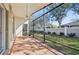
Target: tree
x,y
75,7
60,12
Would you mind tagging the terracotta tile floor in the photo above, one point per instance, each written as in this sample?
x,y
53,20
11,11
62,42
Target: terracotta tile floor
x,y
31,46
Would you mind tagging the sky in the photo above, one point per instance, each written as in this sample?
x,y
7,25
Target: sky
x,y
70,16
42,11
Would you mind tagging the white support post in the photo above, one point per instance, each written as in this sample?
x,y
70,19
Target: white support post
x,y
65,30
28,27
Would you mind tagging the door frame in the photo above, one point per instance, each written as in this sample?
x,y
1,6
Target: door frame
x,y
3,30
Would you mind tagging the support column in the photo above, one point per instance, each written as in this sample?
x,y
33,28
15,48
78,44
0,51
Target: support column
x,y
65,31
33,29
28,15
44,26
28,27
13,26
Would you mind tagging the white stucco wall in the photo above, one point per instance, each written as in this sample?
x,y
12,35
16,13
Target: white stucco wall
x,y
19,26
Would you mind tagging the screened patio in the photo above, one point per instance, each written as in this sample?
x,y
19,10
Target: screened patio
x,y
40,29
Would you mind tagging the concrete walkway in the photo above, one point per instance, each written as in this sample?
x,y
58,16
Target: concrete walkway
x,y
31,46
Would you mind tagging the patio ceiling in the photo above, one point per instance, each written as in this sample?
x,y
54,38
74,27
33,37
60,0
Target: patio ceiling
x,y
22,10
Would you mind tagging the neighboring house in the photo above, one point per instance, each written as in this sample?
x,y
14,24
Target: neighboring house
x,y
72,27
72,24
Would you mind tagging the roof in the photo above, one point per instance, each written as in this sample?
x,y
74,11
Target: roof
x,y
74,23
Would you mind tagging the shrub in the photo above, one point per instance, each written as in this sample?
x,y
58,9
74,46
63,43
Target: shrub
x,y
49,32
61,33
71,34
37,32
54,33
41,32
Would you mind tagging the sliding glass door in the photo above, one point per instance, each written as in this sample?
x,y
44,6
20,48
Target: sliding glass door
x,y
1,31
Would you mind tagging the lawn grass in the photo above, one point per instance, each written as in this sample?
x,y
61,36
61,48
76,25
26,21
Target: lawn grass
x,y
67,45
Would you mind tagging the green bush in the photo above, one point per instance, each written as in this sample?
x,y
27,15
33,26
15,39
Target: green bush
x,y
49,32
54,33
39,32
71,34
61,33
